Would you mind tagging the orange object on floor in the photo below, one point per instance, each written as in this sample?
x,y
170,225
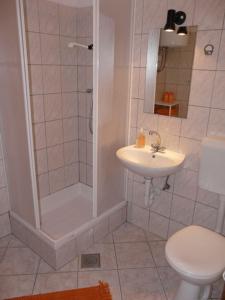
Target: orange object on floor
x,y
99,292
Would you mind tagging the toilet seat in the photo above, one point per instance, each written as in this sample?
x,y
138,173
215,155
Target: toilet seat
x,y
197,254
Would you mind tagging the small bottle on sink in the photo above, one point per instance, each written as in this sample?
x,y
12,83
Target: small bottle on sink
x,y
140,140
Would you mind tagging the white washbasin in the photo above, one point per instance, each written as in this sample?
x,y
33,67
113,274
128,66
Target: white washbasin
x,y
145,163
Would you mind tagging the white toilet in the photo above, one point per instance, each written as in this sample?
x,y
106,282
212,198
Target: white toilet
x,y
196,253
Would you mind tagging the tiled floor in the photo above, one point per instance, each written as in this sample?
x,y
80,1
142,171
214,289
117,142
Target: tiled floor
x,y
132,262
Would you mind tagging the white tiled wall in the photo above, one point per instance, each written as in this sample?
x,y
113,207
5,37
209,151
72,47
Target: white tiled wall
x,y
4,199
59,77
184,203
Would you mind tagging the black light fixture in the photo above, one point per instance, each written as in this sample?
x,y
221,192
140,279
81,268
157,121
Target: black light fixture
x,y
170,25
182,30
173,18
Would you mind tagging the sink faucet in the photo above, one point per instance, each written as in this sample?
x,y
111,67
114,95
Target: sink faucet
x,y
156,147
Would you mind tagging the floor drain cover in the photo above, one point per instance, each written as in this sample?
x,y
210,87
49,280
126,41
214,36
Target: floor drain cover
x,y
90,260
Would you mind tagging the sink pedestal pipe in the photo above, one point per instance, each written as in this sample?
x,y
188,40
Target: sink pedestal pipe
x,y
151,191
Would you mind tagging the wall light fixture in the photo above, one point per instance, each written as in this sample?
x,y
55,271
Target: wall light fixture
x,y
174,18
182,30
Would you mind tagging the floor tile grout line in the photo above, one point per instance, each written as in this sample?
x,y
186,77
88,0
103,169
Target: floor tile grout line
x,y
151,253
161,282
139,241
157,272
36,274
6,248
55,272
77,281
18,247
39,265
78,269
18,274
146,231
4,253
74,271
121,294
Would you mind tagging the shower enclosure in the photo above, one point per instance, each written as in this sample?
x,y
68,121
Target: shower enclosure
x,y
68,117
60,71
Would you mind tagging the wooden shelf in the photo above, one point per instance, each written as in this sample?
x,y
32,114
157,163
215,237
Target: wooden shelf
x,y
167,109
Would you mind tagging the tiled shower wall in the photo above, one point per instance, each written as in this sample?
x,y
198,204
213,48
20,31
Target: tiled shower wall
x,y
185,203
59,78
4,199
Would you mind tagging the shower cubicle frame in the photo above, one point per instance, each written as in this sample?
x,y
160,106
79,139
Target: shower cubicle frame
x,y
27,105
109,186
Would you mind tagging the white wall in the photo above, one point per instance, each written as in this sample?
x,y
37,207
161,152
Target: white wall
x,y
184,203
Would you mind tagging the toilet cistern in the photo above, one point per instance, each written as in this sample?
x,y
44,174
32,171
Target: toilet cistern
x,y
212,172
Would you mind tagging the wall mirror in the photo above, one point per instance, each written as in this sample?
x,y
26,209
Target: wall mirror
x,y
168,72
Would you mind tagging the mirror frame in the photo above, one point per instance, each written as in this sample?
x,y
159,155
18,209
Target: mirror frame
x,y
151,70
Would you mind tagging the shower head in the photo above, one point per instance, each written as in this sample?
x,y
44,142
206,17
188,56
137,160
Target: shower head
x,y
75,44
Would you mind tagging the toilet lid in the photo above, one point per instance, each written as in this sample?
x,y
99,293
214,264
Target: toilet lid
x,y
197,252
